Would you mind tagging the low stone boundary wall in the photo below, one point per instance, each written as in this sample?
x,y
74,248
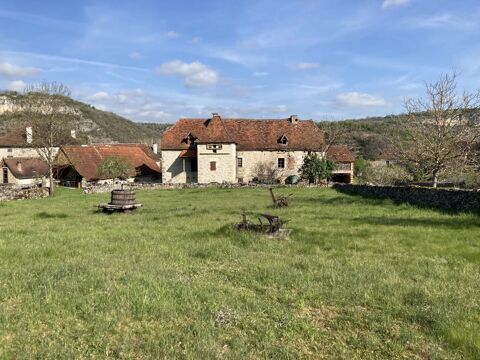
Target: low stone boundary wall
x,y
447,199
95,189
8,193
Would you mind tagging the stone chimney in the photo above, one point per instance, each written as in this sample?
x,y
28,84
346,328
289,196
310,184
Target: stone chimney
x,y
215,116
155,148
29,134
293,119
73,133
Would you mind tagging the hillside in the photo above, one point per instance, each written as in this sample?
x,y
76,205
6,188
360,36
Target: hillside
x,y
368,137
96,125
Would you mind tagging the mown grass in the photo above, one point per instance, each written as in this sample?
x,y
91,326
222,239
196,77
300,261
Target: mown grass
x,y
359,278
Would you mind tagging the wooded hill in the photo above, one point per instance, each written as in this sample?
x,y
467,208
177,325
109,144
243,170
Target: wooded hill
x,y
96,125
368,137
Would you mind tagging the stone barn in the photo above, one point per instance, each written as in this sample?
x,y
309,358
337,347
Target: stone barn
x,y
77,165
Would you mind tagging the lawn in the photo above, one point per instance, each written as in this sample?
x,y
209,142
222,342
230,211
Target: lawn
x,y
358,279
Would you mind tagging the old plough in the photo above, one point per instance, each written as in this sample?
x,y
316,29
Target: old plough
x,y
273,226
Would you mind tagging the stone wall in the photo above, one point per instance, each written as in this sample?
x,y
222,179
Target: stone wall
x,y
96,189
251,159
446,199
13,193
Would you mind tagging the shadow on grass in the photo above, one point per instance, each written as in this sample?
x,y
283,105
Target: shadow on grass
x,y
455,223
45,215
346,200
371,200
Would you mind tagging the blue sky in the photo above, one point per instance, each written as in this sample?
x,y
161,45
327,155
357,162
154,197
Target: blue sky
x,y
160,60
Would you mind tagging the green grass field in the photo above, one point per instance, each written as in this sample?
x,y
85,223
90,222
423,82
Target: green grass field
x,y
358,279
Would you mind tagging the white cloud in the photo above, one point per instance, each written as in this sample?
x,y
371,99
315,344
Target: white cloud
x,y
260,73
355,99
135,55
393,3
11,70
155,114
306,65
195,73
17,85
196,40
279,109
122,98
172,34
99,96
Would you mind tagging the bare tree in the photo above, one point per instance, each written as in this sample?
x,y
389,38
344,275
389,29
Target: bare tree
x,y
334,134
439,130
46,110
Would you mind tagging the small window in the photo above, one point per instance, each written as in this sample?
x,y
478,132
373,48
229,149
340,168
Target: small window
x,y
214,146
239,162
213,165
283,140
281,163
10,150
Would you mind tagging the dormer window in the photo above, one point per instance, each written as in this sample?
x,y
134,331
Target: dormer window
x,y
283,140
189,139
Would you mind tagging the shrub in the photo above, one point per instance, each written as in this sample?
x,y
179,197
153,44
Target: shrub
x,y
316,169
113,167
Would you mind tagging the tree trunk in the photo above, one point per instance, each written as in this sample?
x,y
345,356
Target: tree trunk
x,y
51,189
435,179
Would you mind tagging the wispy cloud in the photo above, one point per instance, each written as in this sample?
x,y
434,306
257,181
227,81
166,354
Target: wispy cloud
x,y
356,99
447,21
305,65
394,3
135,55
39,20
171,34
65,59
195,74
11,70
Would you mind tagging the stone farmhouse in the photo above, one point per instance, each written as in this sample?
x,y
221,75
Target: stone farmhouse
x,y
77,164
220,150
24,172
17,144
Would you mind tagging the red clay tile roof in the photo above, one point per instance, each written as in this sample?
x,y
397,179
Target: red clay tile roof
x,y
189,153
17,138
86,158
26,168
340,153
248,134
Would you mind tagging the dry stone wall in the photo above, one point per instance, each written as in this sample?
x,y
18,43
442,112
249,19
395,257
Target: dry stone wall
x,y
8,193
446,199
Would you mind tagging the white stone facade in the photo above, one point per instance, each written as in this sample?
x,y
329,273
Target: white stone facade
x,y
230,166
6,152
175,169
216,163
